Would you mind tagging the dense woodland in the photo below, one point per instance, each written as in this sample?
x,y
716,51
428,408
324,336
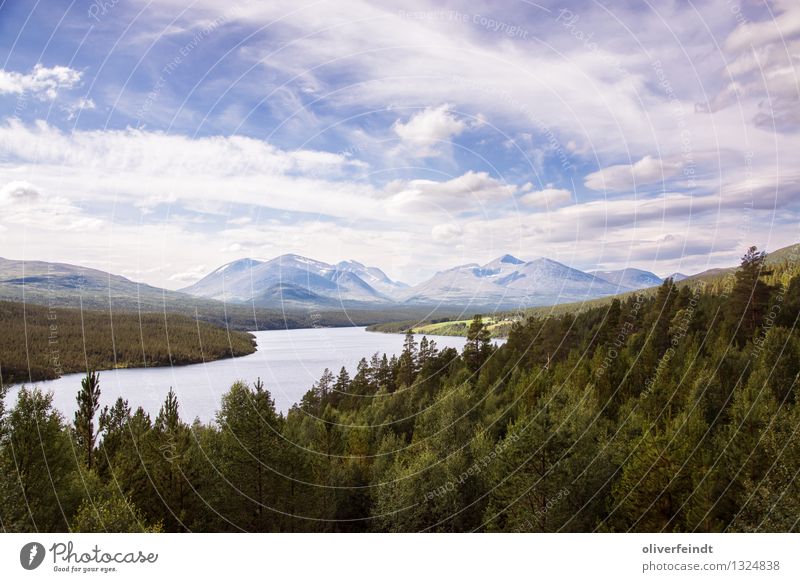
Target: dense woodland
x,y
41,343
673,411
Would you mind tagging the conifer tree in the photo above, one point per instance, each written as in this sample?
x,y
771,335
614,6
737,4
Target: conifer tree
x,y
249,458
407,362
113,425
479,344
42,463
88,403
750,296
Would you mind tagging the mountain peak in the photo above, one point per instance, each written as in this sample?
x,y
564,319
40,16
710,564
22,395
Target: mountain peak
x,y
373,276
238,264
509,259
290,259
350,263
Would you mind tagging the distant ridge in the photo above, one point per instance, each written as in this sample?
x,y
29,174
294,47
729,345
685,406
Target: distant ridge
x,y
629,278
296,282
295,279
506,281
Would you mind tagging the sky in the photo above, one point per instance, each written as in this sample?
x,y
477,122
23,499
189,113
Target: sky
x,y
160,140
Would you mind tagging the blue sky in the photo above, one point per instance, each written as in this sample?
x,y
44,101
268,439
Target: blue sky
x,y
160,140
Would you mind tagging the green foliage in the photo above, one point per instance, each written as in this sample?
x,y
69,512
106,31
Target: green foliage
x,y
479,345
39,466
249,454
106,509
747,305
88,403
61,341
668,411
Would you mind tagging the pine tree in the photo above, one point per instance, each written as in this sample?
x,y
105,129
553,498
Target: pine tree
x,y
546,477
88,403
113,425
384,375
407,363
748,302
479,344
342,384
361,385
172,469
325,384
42,462
427,351
249,456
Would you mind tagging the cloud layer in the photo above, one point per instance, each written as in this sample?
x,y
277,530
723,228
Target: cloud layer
x,y
646,135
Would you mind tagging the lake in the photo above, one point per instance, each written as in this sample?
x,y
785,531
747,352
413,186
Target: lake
x,y
288,361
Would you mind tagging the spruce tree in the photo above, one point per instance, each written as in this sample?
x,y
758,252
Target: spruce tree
x,y
42,463
249,458
478,346
88,403
748,302
407,363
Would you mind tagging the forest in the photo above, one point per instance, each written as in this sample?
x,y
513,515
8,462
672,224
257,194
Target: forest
x,y
673,411
42,343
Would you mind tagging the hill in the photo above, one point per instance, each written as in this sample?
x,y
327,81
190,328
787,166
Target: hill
x,y
41,343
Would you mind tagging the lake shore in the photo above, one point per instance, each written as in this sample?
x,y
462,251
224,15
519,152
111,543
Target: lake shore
x,y
288,361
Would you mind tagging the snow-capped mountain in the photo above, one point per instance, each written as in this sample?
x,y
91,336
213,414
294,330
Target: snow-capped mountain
x,y
505,282
677,277
629,278
225,282
373,276
287,278
509,281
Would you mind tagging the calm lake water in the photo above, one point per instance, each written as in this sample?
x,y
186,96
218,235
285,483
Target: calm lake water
x,y
288,361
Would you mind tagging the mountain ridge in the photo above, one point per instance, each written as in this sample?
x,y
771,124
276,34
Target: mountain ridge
x,y
630,278
292,281
503,282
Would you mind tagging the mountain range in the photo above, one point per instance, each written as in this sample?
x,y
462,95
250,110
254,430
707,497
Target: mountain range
x,y
63,285
295,281
249,293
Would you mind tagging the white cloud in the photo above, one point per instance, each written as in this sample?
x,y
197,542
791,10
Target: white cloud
x,y
216,177
81,104
445,232
154,153
427,131
761,70
151,168
42,82
777,29
607,104
472,191
630,176
18,192
24,204
548,198
191,275
392,57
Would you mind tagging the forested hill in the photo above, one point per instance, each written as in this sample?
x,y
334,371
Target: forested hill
x,y
675,412
39,343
